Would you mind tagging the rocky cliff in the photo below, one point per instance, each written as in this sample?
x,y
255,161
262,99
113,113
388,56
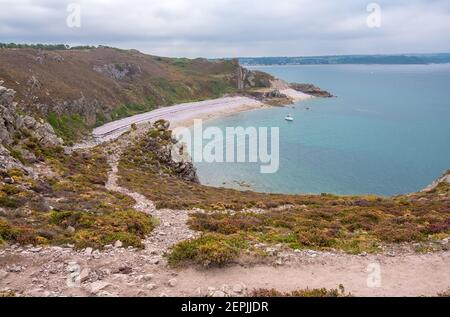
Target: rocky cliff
x,y
161,153
442,181
247,79
311,90
22,136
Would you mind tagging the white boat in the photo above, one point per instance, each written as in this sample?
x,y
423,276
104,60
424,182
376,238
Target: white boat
x,y
289,118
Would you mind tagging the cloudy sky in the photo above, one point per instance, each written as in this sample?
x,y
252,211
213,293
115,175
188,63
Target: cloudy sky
x,y
229,28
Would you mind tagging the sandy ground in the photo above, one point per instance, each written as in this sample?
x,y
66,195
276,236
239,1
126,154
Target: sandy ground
x,y
178,115
124,272
184,114
296,95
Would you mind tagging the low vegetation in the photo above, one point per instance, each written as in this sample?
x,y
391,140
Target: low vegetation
x,y
353,224
207,250
70,207
67,127
445,293
7,294
49,47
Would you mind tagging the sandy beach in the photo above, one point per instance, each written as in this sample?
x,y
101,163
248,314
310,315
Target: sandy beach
x,y
183,115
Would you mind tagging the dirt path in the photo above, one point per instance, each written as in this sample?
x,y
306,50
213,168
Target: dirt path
x,y
172,224
410,275
128,272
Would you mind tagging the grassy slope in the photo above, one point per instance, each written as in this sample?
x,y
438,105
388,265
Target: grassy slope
x,y
65,76
70,207
353,224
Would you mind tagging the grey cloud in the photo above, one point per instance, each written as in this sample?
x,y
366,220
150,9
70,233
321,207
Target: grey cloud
x,y
214,28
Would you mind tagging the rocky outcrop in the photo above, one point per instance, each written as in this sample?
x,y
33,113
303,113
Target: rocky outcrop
x,y
20,132
169,152
246,78
43,56
273,97
7,162
311,90
118,71
89,109
445,179
14,125
264,95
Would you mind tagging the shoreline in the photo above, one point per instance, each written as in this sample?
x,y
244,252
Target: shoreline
x,y
188,120
296,96
183,115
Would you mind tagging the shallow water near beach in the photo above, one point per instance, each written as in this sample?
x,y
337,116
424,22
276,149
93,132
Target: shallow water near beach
x,y
386,133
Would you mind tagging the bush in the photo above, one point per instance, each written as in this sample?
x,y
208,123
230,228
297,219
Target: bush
x,y
7,232
97,230
67,127
21,235
208,250
322,292
10,202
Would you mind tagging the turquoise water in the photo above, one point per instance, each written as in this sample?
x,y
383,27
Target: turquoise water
x,y
387,132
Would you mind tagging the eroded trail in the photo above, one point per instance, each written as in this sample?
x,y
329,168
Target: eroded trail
x,y
172,224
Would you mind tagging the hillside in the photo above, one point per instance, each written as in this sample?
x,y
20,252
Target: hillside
x,y
78,89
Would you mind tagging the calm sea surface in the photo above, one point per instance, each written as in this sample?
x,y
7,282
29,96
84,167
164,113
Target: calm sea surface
x,y
387,132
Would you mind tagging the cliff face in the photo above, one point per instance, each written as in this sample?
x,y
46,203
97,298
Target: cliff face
x,y
158,151
247,79
15,125
311,90
76,90
21,136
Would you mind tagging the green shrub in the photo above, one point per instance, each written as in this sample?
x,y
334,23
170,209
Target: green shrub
x,y
8,232
128,239
10,202
67,127
207,250
16,154
317,292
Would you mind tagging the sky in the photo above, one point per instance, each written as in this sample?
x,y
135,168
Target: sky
x,y
233,28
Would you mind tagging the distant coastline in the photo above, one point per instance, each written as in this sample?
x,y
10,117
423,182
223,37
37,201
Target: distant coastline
x,y
397,59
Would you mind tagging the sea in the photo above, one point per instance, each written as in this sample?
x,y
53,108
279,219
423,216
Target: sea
x,y
386,132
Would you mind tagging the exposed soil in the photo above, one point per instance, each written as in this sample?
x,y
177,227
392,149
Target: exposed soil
x,y
120,272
